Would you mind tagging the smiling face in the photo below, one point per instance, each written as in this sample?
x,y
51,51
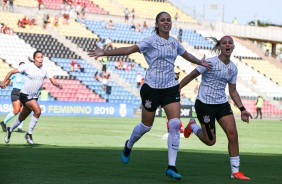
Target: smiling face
x,y
38,59
163,24
226,46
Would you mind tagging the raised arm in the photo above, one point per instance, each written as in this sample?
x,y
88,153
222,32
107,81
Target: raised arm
x,y
55,83
6,80
97,52
193,59
187,79
237,100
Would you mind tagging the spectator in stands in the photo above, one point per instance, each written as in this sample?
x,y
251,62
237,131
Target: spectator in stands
x,y
132,27
44,94
25,21
108,43
254,80
104,62
139,28
40,3
132,15
83,12
6,30
97,76
5,5
158,89
179,36
267,48
56,21
46,20
11,5
110,25
176,16
145,26
105,81
235,21
18,82
21,24
177,75
72,64
35,72
119,64
211,102
259,105
138,80
126,15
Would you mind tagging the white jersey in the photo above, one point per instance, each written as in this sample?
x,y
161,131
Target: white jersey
x,y
34,78
160,55
214,81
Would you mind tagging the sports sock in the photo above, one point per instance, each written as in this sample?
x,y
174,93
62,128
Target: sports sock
x,y
8,117
15,124
32,124
138,131
195,128
21,125
173,140
235,163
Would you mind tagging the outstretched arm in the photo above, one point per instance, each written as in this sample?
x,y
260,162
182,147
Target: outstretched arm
x,y
237,100
193,59
97,52
6,80
55,83
187,79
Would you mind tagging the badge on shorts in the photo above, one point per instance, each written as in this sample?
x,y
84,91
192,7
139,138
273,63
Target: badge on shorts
x,y
148,104
207,119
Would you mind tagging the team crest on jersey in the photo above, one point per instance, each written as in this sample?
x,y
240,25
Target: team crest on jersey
x,y
148,104
207,119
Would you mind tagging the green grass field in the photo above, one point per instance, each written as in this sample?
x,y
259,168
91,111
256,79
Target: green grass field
x,y
87,150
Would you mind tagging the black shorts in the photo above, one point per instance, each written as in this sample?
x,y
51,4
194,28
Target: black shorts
x,y
207,113
153,98
15,94
24,98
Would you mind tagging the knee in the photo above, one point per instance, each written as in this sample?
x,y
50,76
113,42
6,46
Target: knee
x,y
16,111
37,113
174,125
209,142
232,135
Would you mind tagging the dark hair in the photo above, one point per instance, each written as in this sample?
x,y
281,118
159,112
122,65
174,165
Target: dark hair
x,y
216,47
34,54
21,63
157,18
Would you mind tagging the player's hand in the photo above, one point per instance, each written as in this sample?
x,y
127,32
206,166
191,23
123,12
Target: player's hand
x,y
97,52
2,86
245,115
206,64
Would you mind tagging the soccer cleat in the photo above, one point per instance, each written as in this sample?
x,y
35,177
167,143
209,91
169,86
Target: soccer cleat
x,y
172,173
188,130
28,138
125,155
240,176
8,135
3,125
20,130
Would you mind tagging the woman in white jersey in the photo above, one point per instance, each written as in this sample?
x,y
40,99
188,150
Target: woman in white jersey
x,y
35,73
211,102
160,88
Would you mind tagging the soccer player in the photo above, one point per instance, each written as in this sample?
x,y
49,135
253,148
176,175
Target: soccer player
x,y
160,88
35,73
211,102
18,82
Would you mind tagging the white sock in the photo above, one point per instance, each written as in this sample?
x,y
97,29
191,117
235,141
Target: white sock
x,y
32,124
195,128
8,117
15,124
21,125
173,140
138,131
235,163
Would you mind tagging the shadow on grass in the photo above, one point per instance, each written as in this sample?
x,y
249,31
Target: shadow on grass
x,y
53,164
